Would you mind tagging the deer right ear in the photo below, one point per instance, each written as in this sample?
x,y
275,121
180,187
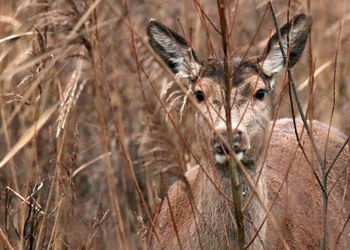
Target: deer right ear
x,y
273,62
173,50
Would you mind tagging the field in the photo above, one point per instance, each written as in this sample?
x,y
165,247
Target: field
x,y
86,151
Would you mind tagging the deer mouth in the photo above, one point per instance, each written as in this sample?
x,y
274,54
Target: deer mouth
x,y
221,153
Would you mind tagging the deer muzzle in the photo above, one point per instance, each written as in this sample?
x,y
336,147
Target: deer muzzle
x,y
240,144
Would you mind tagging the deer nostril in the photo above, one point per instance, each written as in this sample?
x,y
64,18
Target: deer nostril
x,y
220,149
237,139
240,143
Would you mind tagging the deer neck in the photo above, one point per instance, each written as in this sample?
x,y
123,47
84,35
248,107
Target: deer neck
x,y
216,194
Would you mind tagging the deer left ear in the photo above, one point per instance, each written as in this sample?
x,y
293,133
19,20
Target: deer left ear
x,y
173,49
273,62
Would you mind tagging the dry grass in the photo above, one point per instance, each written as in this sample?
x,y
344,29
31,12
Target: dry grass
x,y
80,96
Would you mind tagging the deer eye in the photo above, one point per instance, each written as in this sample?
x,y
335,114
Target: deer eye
x,y
260,94
199,95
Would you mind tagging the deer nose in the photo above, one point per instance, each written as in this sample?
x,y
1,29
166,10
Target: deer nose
x,y
240,144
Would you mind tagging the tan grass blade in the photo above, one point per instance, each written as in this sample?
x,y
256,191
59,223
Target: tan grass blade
x,y
85,165
317,72
15,36
5,240
28,135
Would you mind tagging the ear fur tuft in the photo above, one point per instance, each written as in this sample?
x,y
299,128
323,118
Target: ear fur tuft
x,y
173,49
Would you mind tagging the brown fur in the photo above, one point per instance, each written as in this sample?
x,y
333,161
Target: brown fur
x,y
297,209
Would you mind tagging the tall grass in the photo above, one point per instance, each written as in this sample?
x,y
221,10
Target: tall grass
x,y
87,145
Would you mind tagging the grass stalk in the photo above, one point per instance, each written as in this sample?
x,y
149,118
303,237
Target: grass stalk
x,y
222,6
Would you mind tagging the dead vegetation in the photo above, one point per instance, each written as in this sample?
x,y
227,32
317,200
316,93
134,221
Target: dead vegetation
x,y
87,146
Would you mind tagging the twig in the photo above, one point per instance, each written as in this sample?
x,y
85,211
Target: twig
x,y
205,26
202,12
346,222
172,217
296,96
338,177
337,156
323,183
333,94
233,166
37,208
5,240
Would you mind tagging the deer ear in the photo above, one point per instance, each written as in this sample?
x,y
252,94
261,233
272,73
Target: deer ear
x,y
173,49
273,62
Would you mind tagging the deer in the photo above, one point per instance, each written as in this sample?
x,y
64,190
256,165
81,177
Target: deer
x,y
198,212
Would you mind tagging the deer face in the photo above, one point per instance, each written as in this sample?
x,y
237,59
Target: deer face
x,y
252,80
251,107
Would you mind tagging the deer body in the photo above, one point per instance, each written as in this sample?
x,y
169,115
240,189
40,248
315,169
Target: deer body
x,y
206,221
201,212
297,208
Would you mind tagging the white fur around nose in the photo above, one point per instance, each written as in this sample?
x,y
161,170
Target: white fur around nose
x,y
222,159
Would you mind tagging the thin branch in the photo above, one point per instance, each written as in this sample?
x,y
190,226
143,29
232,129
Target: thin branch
x,y
172,217
296,96
340,234
337,156
233,166
323,183
333,93
338,177
202,12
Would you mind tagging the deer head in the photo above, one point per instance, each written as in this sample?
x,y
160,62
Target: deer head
x,y
252,79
